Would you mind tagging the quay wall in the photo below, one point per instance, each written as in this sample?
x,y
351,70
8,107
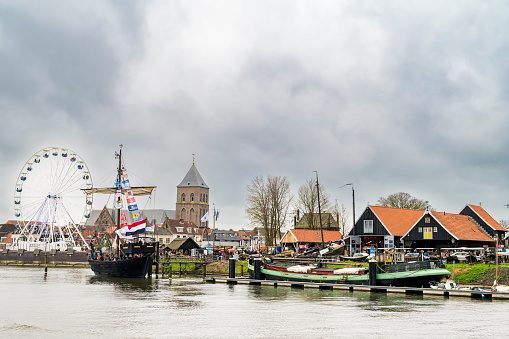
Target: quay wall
x,y
9,257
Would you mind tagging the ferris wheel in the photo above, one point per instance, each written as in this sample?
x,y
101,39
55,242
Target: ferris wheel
x,y
49,202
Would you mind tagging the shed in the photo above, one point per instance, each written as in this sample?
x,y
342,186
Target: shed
x,y
183,244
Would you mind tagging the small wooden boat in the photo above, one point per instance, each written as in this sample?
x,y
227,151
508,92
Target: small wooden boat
x,y
355,257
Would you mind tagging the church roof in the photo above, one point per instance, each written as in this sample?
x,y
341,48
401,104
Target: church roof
x,y
193,179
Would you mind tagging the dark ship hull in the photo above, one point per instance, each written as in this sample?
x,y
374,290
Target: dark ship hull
x,y
127,268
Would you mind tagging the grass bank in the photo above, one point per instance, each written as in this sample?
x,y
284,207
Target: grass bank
x,y
479,274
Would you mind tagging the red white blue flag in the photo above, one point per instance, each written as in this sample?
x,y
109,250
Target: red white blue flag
x,y
136,227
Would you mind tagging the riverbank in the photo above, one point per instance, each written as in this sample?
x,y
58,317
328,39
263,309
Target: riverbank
x,y
479,274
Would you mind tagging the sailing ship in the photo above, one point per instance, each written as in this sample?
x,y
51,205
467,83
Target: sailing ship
x,y
134,257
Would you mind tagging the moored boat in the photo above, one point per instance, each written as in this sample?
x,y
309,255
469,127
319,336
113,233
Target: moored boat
x,y
402,274
133,258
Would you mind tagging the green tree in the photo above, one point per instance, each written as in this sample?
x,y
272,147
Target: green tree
x,y
403,200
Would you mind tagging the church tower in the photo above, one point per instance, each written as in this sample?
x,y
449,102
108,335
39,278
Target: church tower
x,y
192,198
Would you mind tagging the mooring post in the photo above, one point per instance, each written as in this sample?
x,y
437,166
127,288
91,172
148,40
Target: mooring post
x,y
372,272
157,258
257,269
204,271
45,262
170,268
231,269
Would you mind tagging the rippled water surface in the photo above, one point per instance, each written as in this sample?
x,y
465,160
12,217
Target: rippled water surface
x,y
71,303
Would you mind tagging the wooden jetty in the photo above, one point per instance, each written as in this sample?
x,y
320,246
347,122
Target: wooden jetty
x,y
365,288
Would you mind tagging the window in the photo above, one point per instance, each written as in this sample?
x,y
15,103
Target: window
x,y
183,214
192,197
368,226
183,197
427,220
189,230
191,214
435,229
419,229
428,234
180,229
195,230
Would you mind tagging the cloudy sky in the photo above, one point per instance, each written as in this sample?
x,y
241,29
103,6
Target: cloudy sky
x,y
393,96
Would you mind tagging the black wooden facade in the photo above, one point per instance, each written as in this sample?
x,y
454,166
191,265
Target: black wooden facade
x,y
467,210
440,237
375,238
378,228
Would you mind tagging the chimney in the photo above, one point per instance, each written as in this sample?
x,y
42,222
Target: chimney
x,y
181,221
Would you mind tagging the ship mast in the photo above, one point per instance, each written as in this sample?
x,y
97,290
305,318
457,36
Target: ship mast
x,y
119,180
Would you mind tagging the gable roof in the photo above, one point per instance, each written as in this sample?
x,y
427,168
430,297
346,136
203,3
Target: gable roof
x,y
487,218
193,179
174,224
177,243
462,227
327,219
305,235
398,221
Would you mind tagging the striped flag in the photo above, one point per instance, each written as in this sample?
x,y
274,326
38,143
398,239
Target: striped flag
x,y
137,227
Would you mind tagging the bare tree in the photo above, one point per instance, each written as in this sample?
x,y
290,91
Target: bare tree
x,y
504,223
403,200
342,216
267,204
308,202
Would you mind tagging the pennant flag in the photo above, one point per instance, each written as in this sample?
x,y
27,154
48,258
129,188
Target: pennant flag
x,y
150,229
117,184
132,207
124,224
118,201
205,217
131,200
126,185
136,215
217,215
129,193
137,227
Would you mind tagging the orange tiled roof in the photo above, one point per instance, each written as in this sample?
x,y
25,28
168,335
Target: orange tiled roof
x,y
398,221
461,226
304,235
487,218
8,237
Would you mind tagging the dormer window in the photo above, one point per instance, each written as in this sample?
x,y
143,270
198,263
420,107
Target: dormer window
x,y
189,230
180,229
195,230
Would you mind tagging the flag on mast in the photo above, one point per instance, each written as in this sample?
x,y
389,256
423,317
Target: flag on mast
x,y
217,215
205,217
137,227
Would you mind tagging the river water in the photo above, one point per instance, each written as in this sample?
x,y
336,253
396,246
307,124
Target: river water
x,y
68,303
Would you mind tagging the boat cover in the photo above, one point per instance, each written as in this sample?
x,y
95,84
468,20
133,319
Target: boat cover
x,y
349,270
300,268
